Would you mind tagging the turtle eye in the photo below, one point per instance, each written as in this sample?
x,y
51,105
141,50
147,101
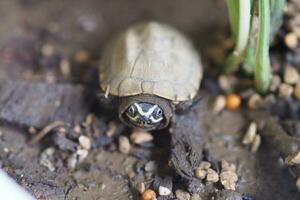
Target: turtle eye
x,y
158,113
131,110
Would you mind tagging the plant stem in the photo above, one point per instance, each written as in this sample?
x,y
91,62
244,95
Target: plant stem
x,y
249,62
233,11
242,35
262,69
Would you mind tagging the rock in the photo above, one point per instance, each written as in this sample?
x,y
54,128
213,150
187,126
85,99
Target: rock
x,y
204,165
297,90
255,101
228,179
225,83
182,195
72,161
151,166
47,159
112,127
196,197
212,176
141,187
298,183
293,159
138,137
227,167
65,68
219,104
291,75
200,173
81,56
256,143
82,154
250,134
149,195
124,145
285,90
85,142
164,191
269,100
47,50
275,83
291,40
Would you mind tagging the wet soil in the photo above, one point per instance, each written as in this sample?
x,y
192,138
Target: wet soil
x,y
71,26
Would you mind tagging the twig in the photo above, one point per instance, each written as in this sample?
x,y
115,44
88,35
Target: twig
x,y
47,129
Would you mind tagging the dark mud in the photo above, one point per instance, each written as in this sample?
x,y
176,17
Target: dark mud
x,y
37,81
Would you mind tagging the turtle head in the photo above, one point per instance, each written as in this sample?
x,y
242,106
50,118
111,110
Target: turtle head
x,y
144,113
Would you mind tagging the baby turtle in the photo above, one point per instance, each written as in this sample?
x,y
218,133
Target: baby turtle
x,y
152,69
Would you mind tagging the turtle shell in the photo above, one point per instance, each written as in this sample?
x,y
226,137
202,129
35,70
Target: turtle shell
x,y
151,58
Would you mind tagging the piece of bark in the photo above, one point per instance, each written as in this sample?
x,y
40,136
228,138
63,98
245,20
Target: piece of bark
x,y
186,145
27,103
277,138
274,133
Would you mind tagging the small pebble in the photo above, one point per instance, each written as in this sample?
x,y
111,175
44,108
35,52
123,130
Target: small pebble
x,y
256,143
298,183
131,174
269,100
112,127
275,83
212,176
85,142
82,154
227,167
140,136
72,161
124,145
285,90
297,31
47,50
32,130
225,83
250,133
141,187
219,104
47,158
182,195
65,68
200,173
164,191
89,119
297,90
255,101
77,129
149,195
291,75
196,197
233,101
204,165
293,159
228,179
291,40
151,166
81,56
